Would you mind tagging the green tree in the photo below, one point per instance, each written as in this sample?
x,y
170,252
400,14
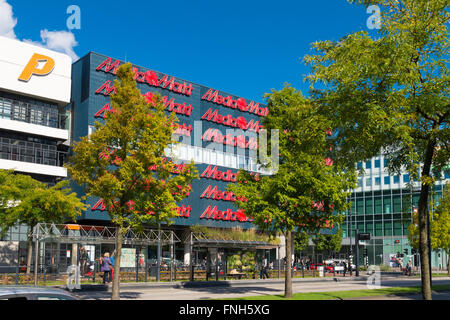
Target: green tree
x,y
29,202
124,163
306,189
440,226
301,241
390,94
328,242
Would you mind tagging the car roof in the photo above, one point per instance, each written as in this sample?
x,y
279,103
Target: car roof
x,y
18,290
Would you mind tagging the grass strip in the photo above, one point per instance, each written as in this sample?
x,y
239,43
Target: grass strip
x,y
338,295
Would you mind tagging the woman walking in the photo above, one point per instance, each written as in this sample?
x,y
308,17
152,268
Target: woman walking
x,y
105,267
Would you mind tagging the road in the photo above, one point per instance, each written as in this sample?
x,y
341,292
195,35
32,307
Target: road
x,y
255,288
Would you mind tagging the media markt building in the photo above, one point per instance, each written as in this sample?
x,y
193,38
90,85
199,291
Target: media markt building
x,y
206,118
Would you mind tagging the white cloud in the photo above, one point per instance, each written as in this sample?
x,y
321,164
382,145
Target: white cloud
x,y
61,41
7,20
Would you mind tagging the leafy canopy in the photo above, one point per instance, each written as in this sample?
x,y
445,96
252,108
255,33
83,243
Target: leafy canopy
x,y
440,225
24,200
307,189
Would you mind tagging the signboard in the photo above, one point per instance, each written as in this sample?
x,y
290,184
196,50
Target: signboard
x,y
35,71
364,236
128,258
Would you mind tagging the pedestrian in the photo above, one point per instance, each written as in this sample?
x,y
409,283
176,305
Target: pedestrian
x,y
84,259
345,267
264,266
106,267
408,268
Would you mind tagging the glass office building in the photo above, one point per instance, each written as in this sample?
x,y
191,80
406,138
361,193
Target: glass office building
x,y
382,206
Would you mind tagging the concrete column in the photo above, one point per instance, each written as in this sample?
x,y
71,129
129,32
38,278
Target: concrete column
x,y
74,254
187,247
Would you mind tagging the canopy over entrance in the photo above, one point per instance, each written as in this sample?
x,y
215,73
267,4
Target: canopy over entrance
x,y
70,233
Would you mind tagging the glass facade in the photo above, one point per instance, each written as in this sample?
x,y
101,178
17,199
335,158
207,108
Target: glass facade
x,y
384,211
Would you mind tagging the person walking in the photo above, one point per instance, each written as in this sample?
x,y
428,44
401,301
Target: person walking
x,y
408,268
105,267
345,267
84,259
264,265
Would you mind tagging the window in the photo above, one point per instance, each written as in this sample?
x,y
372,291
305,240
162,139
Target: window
x,y
378,206
377,181
387,180
386,163
406,178
368,182
369,165
369,206
360,183
378,229
396,179
387,204
397,204
360,206
377,163
359,165
388,228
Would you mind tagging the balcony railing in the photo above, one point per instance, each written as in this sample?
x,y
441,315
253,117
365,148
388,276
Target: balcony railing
x,y
32,152
31,113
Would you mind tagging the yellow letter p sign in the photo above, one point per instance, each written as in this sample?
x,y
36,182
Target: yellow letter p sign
x,y
32,67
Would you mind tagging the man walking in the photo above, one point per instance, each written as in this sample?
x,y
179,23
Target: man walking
x,y
264,265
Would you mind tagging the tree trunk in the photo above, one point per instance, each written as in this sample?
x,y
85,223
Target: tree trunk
x,y
424,225
116,278
288,278
448,262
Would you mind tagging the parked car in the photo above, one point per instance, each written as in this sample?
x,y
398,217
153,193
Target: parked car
x,y
315,265
34,293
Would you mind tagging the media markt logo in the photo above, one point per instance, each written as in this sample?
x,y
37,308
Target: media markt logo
x,y
32,68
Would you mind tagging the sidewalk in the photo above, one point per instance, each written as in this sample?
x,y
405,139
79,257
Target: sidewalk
x,y
223,283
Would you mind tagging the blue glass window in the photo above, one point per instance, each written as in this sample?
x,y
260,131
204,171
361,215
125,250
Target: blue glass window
x,y
368,182
359,165
369,165
396,179
377,163
387,180
378,181
406,178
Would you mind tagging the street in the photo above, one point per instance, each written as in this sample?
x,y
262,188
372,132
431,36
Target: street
x,y
254,288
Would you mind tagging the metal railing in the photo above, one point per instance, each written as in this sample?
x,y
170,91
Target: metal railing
x,y
31,113
33,153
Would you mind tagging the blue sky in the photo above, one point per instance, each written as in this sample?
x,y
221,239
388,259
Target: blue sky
x,y
242,47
